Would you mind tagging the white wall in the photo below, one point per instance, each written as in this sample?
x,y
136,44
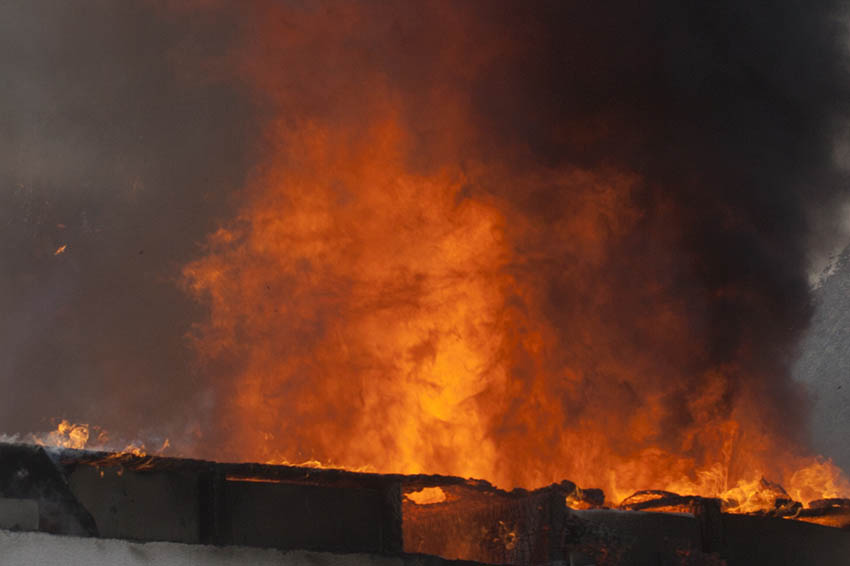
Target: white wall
x,y
40,549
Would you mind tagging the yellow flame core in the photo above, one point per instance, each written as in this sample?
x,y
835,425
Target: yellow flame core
x,y
427,496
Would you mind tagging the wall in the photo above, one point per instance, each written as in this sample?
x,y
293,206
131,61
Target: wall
x,y
40,549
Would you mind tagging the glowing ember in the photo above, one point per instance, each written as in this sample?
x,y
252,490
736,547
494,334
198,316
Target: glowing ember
x,y
60,250
427,496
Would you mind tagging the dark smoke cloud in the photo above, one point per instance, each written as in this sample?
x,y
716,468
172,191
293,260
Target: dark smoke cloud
x,y
726,111
729,112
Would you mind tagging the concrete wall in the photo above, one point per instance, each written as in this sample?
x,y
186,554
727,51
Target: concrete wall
x,y
40,549
824,366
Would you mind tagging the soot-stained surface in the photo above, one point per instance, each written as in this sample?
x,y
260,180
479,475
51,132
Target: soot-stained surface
x,y
824,364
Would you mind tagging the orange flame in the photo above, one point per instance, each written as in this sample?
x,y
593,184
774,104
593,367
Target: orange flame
x,y
427,496
371,310
66,435
77,436
377,314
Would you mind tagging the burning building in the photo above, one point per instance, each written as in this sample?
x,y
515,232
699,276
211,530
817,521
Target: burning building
x,y
562,249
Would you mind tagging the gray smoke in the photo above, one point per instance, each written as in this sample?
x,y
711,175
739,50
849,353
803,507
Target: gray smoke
x,y
105,148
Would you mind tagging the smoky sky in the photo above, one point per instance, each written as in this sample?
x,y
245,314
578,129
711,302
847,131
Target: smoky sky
x,y
125,139
108,150
729,113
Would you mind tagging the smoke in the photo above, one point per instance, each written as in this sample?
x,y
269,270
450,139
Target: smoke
x,y
107,148
519,241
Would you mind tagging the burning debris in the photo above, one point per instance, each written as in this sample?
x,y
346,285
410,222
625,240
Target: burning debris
x,y
833,512
56,487
79,436
149,498
67,435
426,496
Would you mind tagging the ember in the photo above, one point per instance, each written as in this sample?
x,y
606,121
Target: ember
x,y
426,496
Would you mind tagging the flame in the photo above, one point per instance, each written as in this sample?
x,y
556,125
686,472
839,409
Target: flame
x,y
78,436
61,249
134,450
380,318
387,301
427,496
820,479
66,435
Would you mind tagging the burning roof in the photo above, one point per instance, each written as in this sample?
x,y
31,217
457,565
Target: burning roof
x,y
515,241
149,498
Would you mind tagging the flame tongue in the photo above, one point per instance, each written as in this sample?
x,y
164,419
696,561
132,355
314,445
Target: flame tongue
x,y
68,435
401,290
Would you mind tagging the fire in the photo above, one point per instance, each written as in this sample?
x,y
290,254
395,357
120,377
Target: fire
x,y
427,496
417,307
384,320
820,479
78,436
66,435
389,296
61,249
